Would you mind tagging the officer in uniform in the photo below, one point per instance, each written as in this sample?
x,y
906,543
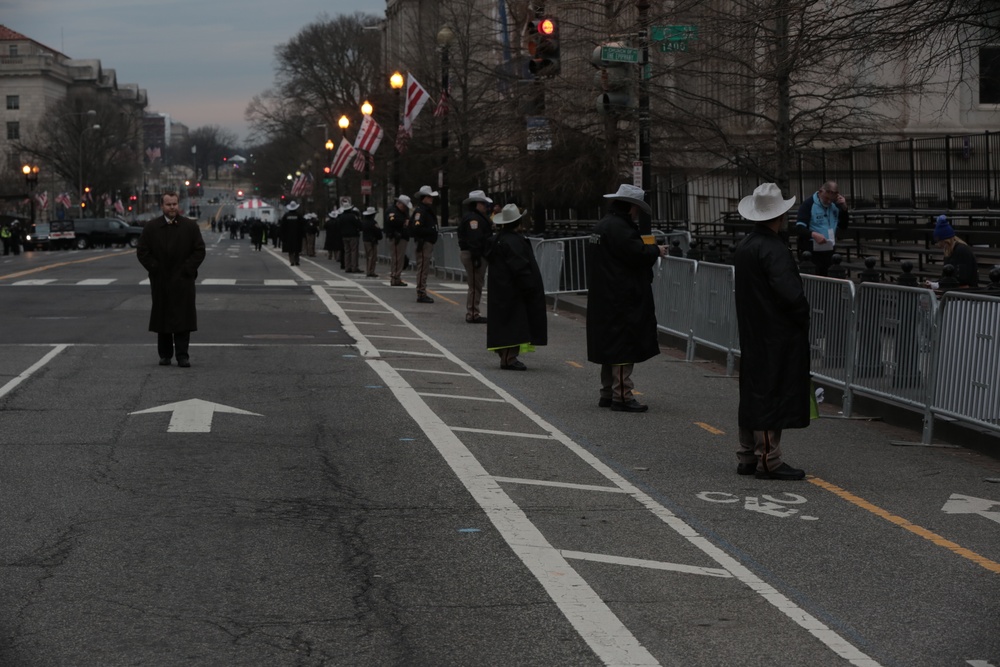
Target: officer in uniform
x,y
397,229
293,232
424,230
473,231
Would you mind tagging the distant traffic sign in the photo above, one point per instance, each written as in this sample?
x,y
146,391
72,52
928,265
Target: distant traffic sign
x,y
619,54
674,33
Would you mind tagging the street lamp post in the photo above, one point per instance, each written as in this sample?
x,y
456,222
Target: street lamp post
x,y
343,123
396,82
366,186
91,114
445,37
31,178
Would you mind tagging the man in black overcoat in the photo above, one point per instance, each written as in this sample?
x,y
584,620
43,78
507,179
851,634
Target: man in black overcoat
x,y
621,315
773,317
293,232
171,249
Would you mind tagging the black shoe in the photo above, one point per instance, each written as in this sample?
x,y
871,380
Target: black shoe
x,y
371,275
631,406
746,468
164,361
183,363
475,320
516,365
604,403
398,283
423,298
784,471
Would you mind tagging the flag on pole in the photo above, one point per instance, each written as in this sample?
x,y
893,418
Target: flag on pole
x,y
416,98
63,199
361,159
119,207
43,200
153,153
442,106
106,199
402,139
342,158
369,135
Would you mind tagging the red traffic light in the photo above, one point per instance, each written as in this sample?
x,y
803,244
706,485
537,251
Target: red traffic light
x,y
547,27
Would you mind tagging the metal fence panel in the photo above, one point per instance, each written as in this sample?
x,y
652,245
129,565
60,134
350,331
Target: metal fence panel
x,y
549,255
831,327
714,312
673,294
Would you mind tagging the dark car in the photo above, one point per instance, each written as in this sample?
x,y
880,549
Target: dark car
x,y
37,237
90,232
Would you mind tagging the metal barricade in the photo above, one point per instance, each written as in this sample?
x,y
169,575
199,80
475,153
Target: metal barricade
x,y
831,331
967,366
447,256
714,311
565,265
673,294
549,255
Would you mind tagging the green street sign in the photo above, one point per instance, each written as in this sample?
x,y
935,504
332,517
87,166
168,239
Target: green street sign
x,y
619,54
674,33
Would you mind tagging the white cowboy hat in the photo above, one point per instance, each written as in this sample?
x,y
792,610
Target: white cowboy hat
x,y
403,199
369,211
766,203
426,191
508,214
292,206
632,195
477,196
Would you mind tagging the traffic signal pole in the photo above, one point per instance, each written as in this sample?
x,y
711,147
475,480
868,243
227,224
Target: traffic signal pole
x,y
645,222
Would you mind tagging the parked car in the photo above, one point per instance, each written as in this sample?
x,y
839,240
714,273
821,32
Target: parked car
x,y
37,237
90,232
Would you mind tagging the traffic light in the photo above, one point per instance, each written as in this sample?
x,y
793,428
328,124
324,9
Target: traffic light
x,y
543,47
615,78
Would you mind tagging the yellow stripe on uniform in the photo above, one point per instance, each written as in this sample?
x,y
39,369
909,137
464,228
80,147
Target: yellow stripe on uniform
x,y
990,565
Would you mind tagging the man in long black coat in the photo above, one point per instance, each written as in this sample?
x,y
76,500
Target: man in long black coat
x,y
773,317
621,315
293,233
171,249
517,296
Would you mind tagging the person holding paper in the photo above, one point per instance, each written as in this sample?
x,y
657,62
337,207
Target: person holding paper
x,y
819,219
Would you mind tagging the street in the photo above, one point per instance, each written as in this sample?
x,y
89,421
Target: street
x,y
346,477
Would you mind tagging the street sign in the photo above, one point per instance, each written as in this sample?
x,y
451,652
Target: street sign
x,y
366,187
674,33
619,54
637,173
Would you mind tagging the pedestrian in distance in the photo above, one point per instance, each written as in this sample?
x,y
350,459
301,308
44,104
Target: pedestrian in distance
x,y
517,296
773,317
621,316
349,225
474,229
424,230
818,222
332,242
397,229
257,233
312,229
171,249
371,234
293,232
957,253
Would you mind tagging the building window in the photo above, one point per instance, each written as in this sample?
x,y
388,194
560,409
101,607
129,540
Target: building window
x,y
12,50
13,101
989,75
13,131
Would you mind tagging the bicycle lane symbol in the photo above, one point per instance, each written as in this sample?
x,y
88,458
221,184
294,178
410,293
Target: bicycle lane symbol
x,y
770,505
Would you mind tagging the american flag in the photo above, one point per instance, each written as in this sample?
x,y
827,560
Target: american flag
x,y
342,158
153,153
43,200
416,98
107,199
361,159
402,139
63,199
369,135
442,106
119,207
303,185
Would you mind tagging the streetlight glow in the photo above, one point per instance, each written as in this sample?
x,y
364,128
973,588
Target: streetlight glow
x,y
344,122
329,144
367,108
396,81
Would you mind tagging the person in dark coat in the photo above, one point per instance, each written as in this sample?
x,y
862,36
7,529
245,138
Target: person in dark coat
x,y
293,233
473,230
349,224
171,249
957,253
397,225
257,233
332,242
424,230
517,296
371,234
621,316
773,317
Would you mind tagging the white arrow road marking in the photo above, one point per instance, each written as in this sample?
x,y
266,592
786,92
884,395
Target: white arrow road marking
x,y
959,504
193,415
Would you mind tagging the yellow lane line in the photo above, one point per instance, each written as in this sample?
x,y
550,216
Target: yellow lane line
x,y
990,565
710,429
574,364
443,298
55,266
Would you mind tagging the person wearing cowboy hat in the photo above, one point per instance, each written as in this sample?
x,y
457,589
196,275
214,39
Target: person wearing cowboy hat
x,y
424,229
621,316
397,228
474,229
293,232
332,242
773,317
349,225
517,296
370,235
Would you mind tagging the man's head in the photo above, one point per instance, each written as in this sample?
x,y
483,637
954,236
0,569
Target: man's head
x,y
170,203
478,201
629,196
426,194
829,192
403,202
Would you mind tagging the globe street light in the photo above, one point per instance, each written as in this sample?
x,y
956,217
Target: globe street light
x,y
31,178
445,37
366,185
396,83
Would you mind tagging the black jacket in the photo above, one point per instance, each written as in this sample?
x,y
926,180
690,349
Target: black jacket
x,y
517,296
424,225
397,223
370,232
474,230
293,231
621,315
773,317
349,224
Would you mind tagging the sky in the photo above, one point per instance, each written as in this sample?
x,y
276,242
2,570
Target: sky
x,y
200,61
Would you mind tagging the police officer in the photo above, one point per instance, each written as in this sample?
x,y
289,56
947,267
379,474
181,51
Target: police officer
x,y
424,229
397,229
349,224
371,234
293,232
473,231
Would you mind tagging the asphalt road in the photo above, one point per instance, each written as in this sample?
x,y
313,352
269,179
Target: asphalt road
x,y
345,477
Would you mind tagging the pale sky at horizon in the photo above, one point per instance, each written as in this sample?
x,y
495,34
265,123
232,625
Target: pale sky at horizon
x,y
200,61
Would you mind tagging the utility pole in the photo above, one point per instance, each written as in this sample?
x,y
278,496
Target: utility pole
x,y
645,223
